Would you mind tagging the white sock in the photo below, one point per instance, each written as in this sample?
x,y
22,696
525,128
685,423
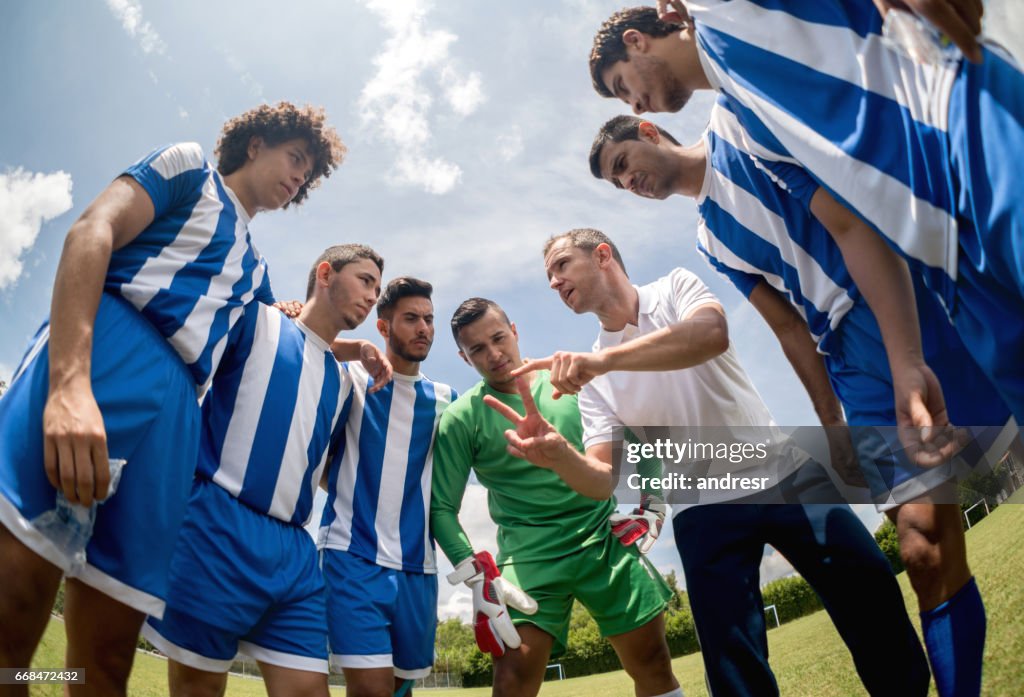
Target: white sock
x,y
678,692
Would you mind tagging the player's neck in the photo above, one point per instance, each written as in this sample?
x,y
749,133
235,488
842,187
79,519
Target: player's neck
x,y
236,181
621,305
319,322
403,366
692,162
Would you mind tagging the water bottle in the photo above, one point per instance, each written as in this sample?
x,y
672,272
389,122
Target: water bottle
x,y
69,525
916,38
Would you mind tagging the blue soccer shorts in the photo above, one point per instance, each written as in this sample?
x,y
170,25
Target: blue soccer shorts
x,y
379,617
242,581
148,401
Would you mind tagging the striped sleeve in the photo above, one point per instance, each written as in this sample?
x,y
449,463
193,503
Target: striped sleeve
x,y
172,175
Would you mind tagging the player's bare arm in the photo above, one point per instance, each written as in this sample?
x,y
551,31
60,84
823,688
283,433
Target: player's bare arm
x,y
795,338
884,280
367,353
74,439
701,336
534,439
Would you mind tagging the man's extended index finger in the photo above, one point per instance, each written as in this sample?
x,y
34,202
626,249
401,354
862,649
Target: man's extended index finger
x,y
532,366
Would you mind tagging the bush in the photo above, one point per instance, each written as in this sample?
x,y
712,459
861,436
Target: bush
x,y
889,542
792,597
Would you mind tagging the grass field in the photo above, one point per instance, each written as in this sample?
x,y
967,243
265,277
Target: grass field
x,y
807,654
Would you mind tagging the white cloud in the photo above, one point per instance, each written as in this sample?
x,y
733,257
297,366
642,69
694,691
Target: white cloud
x,y
1004,22
774,566
397,104
27,200
464,94
251,84
129,13
510,145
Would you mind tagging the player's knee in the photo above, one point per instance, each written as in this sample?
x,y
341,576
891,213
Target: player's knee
x,y
511,675
188,682
652,663
920,555
368,690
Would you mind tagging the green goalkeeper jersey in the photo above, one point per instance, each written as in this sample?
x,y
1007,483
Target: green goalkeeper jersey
x,y
538,515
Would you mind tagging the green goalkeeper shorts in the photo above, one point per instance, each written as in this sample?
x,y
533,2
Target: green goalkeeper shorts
x,y
616,584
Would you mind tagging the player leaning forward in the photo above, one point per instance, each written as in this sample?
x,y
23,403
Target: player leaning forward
x,y
662,359
152,277
245,574
554,543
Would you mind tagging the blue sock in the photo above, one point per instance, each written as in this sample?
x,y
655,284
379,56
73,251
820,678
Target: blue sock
x,y
954,633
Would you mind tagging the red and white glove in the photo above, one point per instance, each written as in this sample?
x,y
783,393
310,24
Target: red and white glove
x,y
642,526
491,593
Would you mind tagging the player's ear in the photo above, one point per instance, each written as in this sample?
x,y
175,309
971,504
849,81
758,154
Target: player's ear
x,y
648,132
383,328
515,333
255,144
323,273
462,355
602,254
635,39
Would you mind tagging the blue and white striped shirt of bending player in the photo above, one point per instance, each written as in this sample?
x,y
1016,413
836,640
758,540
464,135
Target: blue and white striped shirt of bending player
x,y
750,229
276,407
378,487
816,84
194,268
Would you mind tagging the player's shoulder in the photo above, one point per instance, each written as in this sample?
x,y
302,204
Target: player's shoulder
x,y
468,403
178,158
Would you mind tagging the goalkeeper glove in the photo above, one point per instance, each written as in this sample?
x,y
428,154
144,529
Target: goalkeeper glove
x,y
491,593
642,525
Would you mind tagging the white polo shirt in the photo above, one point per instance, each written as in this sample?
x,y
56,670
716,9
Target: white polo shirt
x,y
719,424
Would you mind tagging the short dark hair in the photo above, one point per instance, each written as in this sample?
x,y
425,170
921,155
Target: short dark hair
x,y
470,311
338,256
587,239
609,48
275,125
616,130
398,288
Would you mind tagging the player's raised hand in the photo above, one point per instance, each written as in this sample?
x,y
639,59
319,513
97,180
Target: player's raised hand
x,y
924,428
570,371
376,364
75,444
672,11
532,437
960,20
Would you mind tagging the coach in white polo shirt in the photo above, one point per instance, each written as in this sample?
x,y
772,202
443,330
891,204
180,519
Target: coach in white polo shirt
x,y
663,359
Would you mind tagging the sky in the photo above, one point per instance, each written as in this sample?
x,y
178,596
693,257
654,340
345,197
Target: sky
x,y
468,127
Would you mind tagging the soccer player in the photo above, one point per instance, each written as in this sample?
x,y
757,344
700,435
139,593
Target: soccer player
x,y
245,573
378,556
906,137
663,359
786,264
554,538
153,276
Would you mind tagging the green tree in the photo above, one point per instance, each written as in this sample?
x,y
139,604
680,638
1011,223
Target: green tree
x,y
889,541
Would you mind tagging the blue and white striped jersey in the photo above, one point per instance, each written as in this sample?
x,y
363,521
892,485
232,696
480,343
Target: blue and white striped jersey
x,y
275,407
191,272
816,83
750,229
378,488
